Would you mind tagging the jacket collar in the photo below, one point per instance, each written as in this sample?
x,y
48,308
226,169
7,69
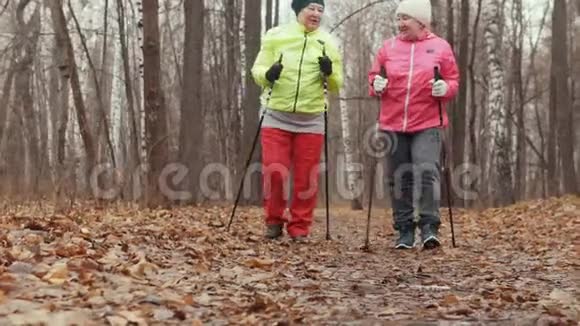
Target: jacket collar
x,y
302,29
425,36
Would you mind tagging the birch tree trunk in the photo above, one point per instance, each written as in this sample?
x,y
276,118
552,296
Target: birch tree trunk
x,y
353,174
117,104
496,117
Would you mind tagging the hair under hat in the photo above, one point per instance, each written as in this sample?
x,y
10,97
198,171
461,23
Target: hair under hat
x,y
298,5
418,9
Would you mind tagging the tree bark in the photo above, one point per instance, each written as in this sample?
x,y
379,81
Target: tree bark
x,y
437,17
560,103
68,68
521,158
497,110
251,99
268,18
230,116
353,175
460,107
276,12
191,139
155,114
473,157
97,83
128,82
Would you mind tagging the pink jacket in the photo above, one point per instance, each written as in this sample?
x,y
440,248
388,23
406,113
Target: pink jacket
x,y
407,104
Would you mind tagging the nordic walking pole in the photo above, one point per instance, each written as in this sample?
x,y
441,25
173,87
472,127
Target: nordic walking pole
x,y
383,74
445,165
325,83
251,152
326,162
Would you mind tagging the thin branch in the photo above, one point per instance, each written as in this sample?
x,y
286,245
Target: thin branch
x,y
4,7
356,12
97,85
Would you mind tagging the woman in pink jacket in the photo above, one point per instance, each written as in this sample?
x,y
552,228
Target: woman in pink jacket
x,y
411,118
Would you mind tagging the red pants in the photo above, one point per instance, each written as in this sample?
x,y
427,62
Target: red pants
x,y
281,152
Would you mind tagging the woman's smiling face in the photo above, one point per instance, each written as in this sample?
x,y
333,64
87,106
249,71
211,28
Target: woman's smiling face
x,y
409,27
311,16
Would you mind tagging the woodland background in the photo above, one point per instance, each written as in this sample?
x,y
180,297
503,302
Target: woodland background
x,y
113,94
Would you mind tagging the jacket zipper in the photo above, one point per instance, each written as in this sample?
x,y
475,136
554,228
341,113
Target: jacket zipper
x,y
412,63
300,72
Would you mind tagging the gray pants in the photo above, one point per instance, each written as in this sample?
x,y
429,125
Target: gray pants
x,y
414,177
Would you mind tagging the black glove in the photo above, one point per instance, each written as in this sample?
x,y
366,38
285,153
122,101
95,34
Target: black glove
x,y
325,65
273,73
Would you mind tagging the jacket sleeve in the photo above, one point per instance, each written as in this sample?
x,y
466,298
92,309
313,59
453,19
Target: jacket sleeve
x,y
450,73
379,61
264,60
336,79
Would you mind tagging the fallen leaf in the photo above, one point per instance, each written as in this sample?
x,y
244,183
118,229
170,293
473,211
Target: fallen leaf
x,y
133,317
196,322
161,314
188,299
58,274
391,311
449,300
562,296
259,263
142,269
117,321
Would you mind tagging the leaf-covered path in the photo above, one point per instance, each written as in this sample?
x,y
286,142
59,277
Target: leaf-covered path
x,y
120,266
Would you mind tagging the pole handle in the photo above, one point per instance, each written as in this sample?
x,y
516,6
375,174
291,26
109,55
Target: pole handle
x,y
437,73
383,72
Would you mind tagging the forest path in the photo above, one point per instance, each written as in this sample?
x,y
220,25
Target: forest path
x,y
116,266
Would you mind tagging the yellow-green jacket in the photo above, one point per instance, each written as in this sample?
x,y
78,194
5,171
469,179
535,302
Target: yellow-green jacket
x,y
300,87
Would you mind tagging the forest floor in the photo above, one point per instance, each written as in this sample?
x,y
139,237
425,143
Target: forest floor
x,y
123,266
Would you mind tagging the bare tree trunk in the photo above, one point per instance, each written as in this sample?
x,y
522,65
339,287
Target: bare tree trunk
x,y
521,158
155,114
69,69
560,95
251,100
276,12
191,139
437,16
99,94
497,110
178,67
231,114
26,49
353,175
128,82
5,109
451,23
268,15
460,108
472,91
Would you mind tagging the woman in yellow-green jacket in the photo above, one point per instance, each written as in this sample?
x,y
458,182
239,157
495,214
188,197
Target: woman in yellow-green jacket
x,y
293,63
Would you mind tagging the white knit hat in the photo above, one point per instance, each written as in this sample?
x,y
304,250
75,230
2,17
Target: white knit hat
x,y
418,9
